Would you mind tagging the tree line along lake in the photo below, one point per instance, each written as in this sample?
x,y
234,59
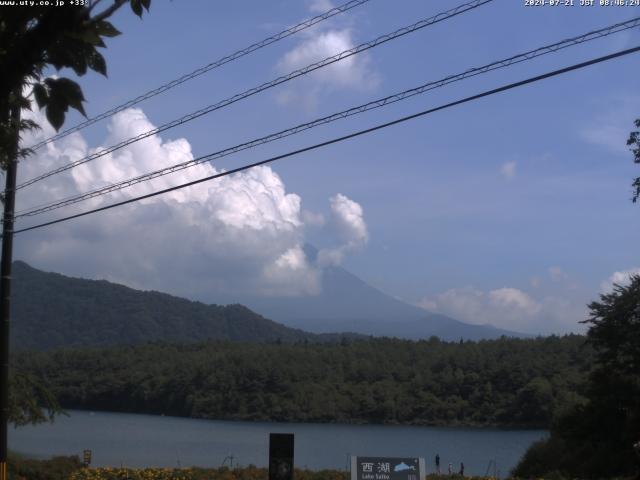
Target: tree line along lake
x,y
136,440
197,404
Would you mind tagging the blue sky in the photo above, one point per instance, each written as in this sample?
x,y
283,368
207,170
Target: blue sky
x,y
513,210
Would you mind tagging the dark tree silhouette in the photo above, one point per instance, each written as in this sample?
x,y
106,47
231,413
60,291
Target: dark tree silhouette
x,y
596,439
634,143
34,38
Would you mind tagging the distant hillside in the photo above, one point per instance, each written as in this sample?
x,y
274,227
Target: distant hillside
x,y
347,303
52,310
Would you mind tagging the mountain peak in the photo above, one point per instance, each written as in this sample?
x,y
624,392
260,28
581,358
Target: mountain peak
x,y
348,303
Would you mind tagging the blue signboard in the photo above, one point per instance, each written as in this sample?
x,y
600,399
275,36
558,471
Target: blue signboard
x,y
387,468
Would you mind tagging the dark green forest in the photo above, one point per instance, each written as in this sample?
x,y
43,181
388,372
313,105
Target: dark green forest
x,y
505,382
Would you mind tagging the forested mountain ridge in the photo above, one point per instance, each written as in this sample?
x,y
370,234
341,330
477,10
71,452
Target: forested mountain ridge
x,y
505,382
51,310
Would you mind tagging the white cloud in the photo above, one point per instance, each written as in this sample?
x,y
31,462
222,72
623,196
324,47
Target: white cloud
x,y
512,299
352,73
348,222
292,266
240,233
508,170
619,278
508,308
346,72
348,217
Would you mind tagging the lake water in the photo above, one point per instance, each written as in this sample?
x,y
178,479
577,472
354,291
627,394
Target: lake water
x,y
148,440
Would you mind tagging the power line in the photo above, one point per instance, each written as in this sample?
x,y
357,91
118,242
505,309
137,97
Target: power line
x,y
345,137
206,68
603,32
282,79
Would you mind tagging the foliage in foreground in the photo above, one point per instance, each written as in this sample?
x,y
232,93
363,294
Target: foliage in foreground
x,y
595,439
634,143
247,473
30,401
36,38
70,468
223,473
56,468
506,382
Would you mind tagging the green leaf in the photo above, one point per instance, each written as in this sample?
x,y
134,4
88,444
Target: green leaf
x,y
97,63
93,38
79,65
88,35
41,95
136,6
72,52
55,115
65,92
105,29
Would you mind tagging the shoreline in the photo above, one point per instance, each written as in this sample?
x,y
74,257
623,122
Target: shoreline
x,y
439,425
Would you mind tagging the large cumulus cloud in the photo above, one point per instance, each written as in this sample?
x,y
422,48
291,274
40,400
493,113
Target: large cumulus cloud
x,y
239,234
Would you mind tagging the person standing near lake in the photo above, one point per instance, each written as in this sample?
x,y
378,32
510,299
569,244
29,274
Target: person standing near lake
x,y
437,464
461,469
450,468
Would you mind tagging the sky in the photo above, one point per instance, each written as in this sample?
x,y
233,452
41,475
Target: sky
x,y
513,210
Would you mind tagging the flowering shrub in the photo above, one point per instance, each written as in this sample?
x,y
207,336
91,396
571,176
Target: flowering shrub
x,y
246,473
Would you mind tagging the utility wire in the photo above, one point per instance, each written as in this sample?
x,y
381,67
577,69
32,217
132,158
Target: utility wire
x,y
603,32
206,68
282,79
345,137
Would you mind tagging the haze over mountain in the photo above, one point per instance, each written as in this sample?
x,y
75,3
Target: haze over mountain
x,y
348,304
52,310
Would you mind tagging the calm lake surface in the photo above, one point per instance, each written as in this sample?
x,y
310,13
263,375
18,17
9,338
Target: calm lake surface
x,y
148,440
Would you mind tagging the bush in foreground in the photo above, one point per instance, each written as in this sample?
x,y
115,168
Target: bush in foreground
x,y
247,473
56,468
223,473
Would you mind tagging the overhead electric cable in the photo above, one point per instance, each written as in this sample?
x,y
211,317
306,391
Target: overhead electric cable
x,y
282,79
206,68
529,55
342,138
